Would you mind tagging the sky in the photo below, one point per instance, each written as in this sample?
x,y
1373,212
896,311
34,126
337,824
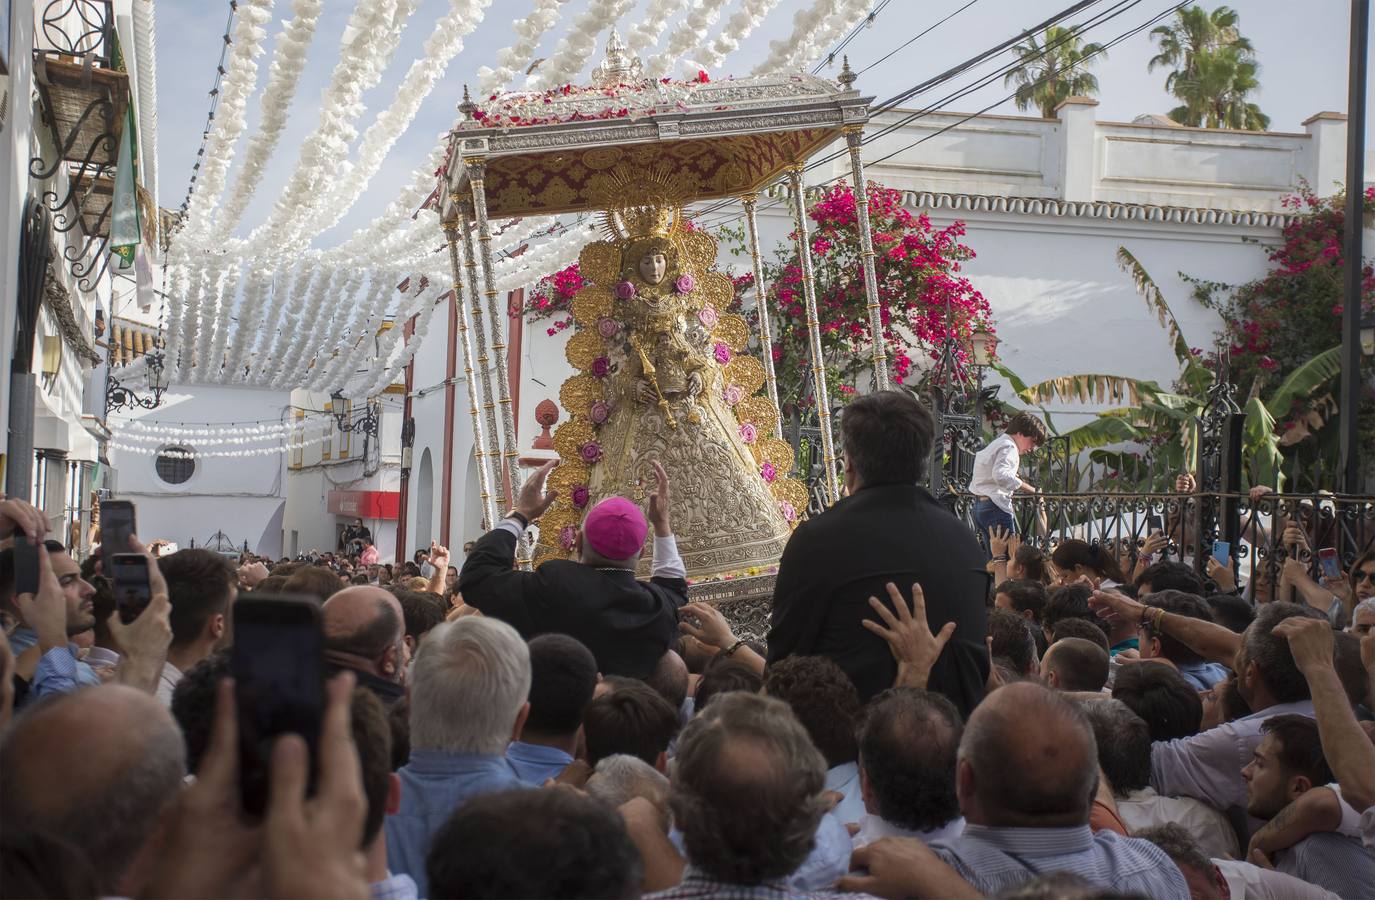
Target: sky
x,y
1302,50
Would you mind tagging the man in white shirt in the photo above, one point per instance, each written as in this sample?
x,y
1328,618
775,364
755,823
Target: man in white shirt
x,y
202,586
995,477
907,748
1227,879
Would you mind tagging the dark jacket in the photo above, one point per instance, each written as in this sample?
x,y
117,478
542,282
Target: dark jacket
x,y
626,623
835,562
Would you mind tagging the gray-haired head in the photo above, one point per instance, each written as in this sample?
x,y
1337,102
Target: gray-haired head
x,y
620,778
471,679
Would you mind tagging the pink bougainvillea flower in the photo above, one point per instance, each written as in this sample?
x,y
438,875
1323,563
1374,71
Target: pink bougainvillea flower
x,y
601,366
590,452
598,412
625,290
607,328
568,537
722,353
579,496
708,316
685,284
748,433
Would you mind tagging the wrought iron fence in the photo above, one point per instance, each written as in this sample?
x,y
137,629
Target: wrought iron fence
x,y
1253,530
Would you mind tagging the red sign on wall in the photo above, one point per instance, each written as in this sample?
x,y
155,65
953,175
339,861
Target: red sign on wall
x,y
365,504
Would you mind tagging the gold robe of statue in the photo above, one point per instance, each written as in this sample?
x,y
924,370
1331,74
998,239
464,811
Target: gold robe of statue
x,y
665,376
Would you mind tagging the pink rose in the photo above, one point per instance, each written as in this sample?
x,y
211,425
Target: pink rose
x,y
568,536
607,328
722,353
625,290
599,411
768,472
685,284
601,366
734,393
591,452
786,508
580,496
748,433
708,316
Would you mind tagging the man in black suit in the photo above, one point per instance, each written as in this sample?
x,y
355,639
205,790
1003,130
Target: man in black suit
x,y
888,529
627,624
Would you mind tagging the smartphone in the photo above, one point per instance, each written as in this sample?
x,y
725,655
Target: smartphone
x,y
1154,523
279,682
1222,552
25,565
116,527
1327,559
129,572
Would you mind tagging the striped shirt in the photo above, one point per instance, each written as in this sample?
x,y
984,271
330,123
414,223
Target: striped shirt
x,y
994,859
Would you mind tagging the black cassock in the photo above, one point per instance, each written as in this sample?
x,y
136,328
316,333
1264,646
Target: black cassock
x,y
626,623
835,562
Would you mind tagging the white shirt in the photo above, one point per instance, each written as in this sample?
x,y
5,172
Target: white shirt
x,y
666,563
995,472
844,779
1145,808
873,827
1246,881
167,683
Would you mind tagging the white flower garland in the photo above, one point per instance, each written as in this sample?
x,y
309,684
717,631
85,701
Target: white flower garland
x,y
224,301
240,77
691,32
650,28
816,27
315,346
186,359
514,60
298,291
573,50
739,26
380,283
557,253
288,62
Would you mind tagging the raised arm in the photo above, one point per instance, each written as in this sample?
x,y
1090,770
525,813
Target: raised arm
x,y
488,580
1208,639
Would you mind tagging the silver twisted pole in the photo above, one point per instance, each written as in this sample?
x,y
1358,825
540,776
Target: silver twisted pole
x,y
761,302
484,480
853,134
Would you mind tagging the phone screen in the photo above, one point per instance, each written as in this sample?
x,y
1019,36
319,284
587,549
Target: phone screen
x,y
129,572
1154,524
1327,558
279,681
25,565
116,527
1222,552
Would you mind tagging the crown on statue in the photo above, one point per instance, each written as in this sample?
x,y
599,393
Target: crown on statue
x,y
641,204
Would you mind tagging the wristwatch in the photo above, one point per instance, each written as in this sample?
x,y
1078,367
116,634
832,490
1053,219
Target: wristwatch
x,y
519,517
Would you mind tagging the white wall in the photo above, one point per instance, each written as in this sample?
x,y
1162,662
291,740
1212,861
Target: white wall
x,y
244,497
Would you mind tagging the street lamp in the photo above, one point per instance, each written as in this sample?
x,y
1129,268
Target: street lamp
x,y
117,396
983,347
367,425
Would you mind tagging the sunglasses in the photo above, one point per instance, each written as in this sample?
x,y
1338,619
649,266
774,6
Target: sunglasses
x,y
1363,575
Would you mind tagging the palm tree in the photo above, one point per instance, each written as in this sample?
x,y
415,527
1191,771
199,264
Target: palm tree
x,y
1215,93
1212,69
1051,72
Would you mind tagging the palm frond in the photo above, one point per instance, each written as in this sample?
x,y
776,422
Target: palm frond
x,y
1304,380
1088,388
1155,301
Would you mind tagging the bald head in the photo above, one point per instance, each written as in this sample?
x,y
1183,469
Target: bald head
x,y
98,767
365,629
1027,759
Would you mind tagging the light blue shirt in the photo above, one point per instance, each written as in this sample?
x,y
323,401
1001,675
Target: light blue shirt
x,y
55,674
433,785
995,859
1202,676
844,779
535,763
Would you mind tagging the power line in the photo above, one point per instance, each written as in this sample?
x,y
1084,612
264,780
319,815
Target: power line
x,y
214,104
845,41
921,34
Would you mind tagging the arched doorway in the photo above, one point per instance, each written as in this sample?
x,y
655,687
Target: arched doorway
x,y
424,502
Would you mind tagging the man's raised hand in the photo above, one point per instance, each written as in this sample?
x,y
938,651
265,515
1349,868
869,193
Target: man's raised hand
x,y
533,499
658,502
909,637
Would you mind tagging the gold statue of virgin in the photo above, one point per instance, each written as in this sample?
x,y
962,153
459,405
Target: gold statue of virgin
x,y
664,374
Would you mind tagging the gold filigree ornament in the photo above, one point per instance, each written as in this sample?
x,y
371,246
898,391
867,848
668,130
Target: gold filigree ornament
x,y
778,452
732,331
556,519
600,263
745,371
640,201
570,437
701,250
792,491
759,412
717,289
602,157
577,393
564,476
583,348
592,303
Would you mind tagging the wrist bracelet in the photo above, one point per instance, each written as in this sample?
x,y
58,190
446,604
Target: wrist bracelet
x,y
519,517
1003,558
1146,613
733,647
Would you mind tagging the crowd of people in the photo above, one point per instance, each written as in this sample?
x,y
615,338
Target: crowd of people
x,y
922,720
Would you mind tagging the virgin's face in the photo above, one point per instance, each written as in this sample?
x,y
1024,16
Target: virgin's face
x,y
653,267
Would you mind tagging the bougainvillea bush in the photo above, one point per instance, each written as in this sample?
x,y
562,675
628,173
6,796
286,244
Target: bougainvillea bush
x,y
1278,322
921,291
